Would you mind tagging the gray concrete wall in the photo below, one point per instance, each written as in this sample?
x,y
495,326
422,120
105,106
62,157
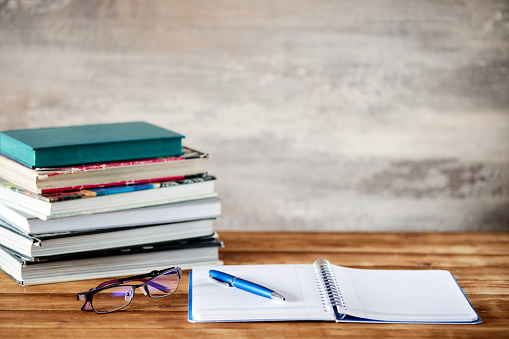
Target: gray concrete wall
x,y
319,115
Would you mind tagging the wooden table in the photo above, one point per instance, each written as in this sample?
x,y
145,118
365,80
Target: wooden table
x,y
479,261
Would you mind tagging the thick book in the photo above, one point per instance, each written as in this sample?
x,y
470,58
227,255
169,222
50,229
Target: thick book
x,y
106,174
161,214
87,144
111,263
50,245
325,292
107,199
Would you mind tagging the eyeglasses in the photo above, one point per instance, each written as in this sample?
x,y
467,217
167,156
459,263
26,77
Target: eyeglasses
x,y
114,295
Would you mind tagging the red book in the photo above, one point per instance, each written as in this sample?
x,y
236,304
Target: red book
x,y
119,173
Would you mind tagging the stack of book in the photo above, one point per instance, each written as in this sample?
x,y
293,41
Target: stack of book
x,y
98,201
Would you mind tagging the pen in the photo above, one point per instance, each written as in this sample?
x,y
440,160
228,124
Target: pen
x,y
233,281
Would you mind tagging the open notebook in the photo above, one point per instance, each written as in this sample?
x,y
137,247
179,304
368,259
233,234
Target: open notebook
x,y
325,292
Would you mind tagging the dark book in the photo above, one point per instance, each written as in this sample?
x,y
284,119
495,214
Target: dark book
x,y
87,144
107,174
43,246
186,254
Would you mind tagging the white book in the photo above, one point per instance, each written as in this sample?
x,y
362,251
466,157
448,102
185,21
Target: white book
x,y
161,214
325,292
136,196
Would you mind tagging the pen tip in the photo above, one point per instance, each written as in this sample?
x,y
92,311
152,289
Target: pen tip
x,y
277,296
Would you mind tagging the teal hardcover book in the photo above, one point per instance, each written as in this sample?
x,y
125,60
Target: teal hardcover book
x,y
86,144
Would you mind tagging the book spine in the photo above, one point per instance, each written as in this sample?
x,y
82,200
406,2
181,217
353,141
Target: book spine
x,y
85,168
12,187
110,184
331,293
12,148
189,154
80,154
94,192
63,196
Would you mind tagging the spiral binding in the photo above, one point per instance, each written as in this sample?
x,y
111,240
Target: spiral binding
x,y
331,293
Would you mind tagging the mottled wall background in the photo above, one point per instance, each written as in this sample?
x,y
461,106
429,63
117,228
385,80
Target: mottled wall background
x,y
319,115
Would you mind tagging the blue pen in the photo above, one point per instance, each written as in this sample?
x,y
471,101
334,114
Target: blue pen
x,y
233,281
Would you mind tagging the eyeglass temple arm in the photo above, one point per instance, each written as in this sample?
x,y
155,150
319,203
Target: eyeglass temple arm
x,y
151,282
149,275
143,277
159,286
164,288
83,297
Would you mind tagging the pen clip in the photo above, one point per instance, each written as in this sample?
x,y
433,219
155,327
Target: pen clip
x,y
223,283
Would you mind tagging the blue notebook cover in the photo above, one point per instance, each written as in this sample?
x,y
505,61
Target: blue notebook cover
x,y
87,144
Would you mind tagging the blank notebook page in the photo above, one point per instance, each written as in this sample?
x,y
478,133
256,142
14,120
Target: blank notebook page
x,y
213,302
398,295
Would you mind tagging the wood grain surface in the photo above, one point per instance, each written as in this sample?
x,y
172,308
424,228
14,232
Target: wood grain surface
x,y
319,115
479,262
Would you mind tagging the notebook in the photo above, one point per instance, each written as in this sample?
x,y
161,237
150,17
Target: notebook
x,y
325,292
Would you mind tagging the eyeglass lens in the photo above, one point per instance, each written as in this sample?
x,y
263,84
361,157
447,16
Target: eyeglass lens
x,y
163,285
117,297
112,299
